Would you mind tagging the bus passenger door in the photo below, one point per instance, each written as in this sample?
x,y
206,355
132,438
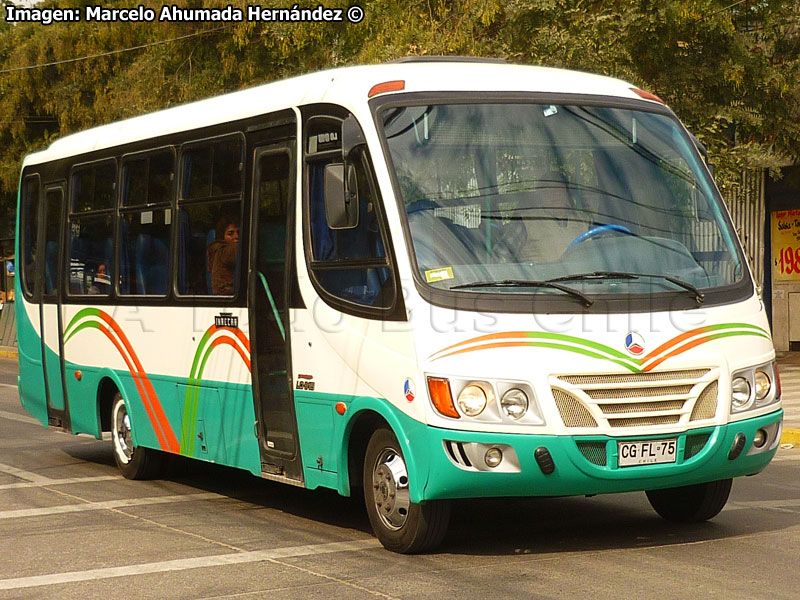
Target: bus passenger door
x,y
271,243
50,308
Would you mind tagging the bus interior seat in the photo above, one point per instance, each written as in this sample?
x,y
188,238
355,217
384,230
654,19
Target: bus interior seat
x,y
151,259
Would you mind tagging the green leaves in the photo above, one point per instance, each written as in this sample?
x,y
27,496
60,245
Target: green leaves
x,y
732,73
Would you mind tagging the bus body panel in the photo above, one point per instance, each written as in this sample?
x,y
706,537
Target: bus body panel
x,y
32,391
574,474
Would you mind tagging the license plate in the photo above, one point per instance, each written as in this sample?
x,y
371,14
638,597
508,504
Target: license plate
x,y
651,452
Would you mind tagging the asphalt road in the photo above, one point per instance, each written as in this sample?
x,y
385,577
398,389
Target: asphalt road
x,y
71,527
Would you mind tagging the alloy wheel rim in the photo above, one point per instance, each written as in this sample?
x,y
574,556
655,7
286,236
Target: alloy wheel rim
x,y
390,489
123,438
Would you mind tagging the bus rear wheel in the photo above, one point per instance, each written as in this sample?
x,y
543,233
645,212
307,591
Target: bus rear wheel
x,y
133,462
400,525
691,503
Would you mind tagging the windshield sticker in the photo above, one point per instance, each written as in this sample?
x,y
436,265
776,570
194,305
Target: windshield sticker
x,y
550,111
442,274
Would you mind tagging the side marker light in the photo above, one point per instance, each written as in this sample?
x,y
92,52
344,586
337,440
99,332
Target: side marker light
x,y
387,86
647,95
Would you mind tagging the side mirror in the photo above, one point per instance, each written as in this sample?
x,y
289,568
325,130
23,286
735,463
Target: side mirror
x,y
341,196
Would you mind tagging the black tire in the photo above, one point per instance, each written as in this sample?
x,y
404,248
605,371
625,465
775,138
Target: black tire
x,y
400,525
692,503
133,462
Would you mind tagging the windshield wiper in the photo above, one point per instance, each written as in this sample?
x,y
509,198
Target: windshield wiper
x,y
526,283
698,295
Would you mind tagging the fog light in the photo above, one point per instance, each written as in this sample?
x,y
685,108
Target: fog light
x,y
740,393
763,385
493,457
760,438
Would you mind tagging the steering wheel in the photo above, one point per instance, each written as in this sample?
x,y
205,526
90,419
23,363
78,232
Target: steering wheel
x,y
598,230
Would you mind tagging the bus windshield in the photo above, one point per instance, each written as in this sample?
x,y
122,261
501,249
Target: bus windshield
x,y
510,198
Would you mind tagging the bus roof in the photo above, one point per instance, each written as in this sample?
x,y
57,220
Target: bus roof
x,y
347,86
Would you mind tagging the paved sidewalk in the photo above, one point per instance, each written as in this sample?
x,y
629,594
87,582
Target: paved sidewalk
x,y
789,366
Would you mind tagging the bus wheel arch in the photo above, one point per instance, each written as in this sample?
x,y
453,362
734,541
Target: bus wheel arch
x,y
106,391
361,428
401,525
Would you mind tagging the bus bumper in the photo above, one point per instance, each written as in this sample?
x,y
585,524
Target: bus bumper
x,y
457,466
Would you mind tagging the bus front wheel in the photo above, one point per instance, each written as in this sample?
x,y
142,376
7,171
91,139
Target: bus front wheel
x,y
133,462
691,503
400,525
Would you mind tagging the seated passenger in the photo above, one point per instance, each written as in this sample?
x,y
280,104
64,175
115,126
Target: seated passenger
x,y
101,283
223,253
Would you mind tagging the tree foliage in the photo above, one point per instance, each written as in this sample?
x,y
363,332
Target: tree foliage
x,y
729,70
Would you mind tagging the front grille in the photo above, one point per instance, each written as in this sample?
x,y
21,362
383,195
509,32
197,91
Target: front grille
x,y
694,444
625,378
706,405
573,413
624,400
594,452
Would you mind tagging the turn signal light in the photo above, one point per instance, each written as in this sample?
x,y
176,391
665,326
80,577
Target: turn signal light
x,y
442,398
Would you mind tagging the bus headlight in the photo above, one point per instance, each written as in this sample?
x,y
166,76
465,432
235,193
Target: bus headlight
x,y
473,399
763,385
514,403
740,393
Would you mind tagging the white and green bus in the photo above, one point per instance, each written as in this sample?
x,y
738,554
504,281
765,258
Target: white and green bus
x,y
420,281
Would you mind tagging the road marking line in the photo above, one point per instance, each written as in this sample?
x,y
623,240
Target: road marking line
x,y
32,484
21,418
127,502
8,385
186,563
25,475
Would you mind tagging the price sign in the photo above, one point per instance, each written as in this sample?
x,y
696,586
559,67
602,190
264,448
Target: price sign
x,y
786,245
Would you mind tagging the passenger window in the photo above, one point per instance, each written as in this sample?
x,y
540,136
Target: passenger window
x,y
28,243
145,224
350,264
91,229
209,218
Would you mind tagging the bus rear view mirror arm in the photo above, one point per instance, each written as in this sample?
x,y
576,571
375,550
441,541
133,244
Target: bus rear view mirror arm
x,y
341,196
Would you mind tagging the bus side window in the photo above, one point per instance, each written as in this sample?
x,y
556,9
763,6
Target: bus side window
x,y
146,223
209,217
350,264
29,231
91,228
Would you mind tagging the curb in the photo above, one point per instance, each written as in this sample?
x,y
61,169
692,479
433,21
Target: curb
x,y
791,436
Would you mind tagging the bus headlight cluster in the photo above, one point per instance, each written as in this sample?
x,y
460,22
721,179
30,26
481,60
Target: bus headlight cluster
x,y
487,401
753,388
